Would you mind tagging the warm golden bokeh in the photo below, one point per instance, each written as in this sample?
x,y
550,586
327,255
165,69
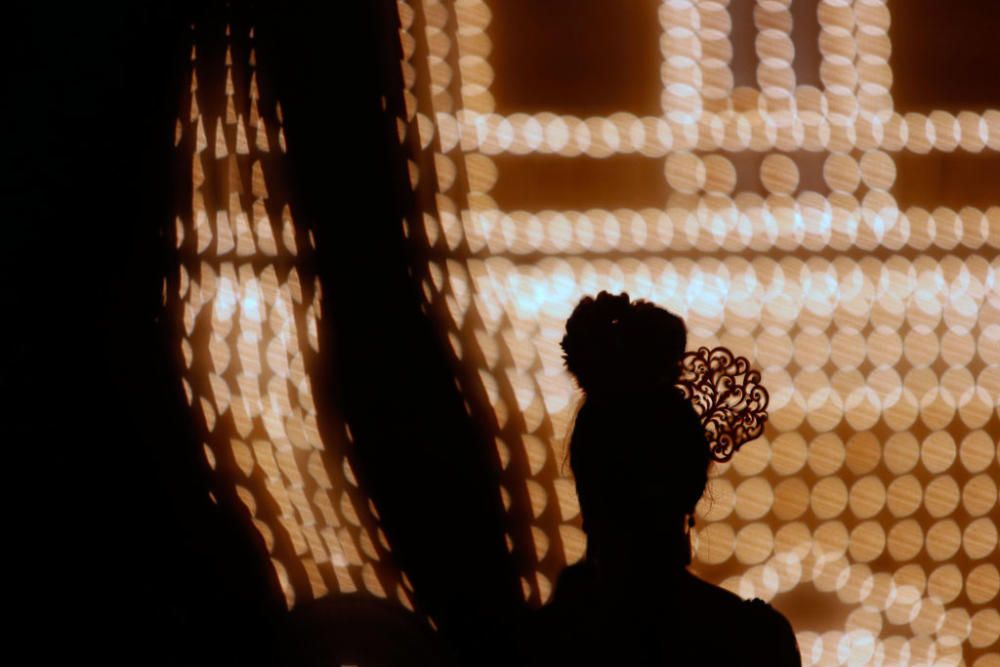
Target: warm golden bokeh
x,y
869,510
877,327
250,317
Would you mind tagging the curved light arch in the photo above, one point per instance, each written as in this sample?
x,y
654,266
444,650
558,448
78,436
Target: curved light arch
x,y
250,308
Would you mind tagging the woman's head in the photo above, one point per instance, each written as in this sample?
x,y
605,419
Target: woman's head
x,y
613,345
637,450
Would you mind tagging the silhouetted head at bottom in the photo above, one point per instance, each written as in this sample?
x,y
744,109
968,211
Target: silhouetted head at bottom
x,y
638,449
640,457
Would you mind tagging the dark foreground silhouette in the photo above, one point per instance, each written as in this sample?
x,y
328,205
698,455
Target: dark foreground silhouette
x,y
639,455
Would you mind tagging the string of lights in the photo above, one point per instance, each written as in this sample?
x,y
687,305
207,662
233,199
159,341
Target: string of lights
x,y
876,327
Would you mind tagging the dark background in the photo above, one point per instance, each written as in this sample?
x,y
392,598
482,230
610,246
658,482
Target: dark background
x,y
118,552
118,555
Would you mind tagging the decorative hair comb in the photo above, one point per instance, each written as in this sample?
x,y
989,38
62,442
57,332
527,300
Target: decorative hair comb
x,y
728,397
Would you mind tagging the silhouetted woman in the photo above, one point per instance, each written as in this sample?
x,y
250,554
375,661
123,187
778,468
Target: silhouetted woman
x,y
640,459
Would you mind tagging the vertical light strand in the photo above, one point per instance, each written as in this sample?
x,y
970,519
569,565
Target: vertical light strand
x,y
250,312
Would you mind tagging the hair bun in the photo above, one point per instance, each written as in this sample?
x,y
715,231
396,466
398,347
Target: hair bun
x,y
613,345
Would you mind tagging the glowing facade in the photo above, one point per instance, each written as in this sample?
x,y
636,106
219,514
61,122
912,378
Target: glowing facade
x,y
878,329
874,492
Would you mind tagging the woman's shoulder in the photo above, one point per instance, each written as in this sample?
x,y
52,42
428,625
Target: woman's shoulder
x,y
771,627
765,633
580,625
765,616
761,630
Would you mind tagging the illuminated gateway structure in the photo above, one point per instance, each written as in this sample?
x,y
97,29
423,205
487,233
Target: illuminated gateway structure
x,y
748,169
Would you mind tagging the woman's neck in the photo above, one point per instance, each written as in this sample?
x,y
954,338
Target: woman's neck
x,y
627,558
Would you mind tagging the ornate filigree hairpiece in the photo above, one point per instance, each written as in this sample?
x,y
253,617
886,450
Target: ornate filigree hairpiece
x,y
728,397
